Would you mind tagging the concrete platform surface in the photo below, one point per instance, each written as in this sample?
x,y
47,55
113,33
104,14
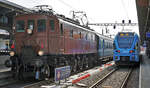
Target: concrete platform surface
x,y
144,75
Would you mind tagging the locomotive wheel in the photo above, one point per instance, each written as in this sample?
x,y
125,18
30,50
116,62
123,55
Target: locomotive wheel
x,y
71,64
75,64
46,71
86,62
81,64
90,62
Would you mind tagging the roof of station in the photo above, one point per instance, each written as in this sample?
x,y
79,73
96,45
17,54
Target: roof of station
x,y
143,17
12,6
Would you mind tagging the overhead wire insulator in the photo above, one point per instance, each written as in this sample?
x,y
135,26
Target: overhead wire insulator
x,y
123,21
114,26
129,21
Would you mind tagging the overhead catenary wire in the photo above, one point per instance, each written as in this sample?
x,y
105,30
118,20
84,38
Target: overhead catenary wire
x,y
124,7
66,4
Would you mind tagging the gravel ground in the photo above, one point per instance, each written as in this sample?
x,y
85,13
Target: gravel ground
x,y
116,79
133,81
85,83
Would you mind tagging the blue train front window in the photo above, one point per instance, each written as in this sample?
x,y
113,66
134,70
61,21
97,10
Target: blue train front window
x,y
125,40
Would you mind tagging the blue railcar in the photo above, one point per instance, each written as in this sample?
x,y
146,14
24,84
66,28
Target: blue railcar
x,y
104,47
126,48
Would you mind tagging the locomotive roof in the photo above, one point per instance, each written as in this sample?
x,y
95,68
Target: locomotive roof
x,y
72,22
62,18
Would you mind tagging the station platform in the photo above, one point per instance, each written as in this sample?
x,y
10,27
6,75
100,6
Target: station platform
x,y
144,75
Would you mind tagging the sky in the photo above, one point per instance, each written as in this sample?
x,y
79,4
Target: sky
x,y
97,11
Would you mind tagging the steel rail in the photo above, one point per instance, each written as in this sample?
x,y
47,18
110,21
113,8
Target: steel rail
x,y
126,78
101,80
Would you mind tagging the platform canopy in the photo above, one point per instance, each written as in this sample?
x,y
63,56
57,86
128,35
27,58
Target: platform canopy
x,y
7,11
143,13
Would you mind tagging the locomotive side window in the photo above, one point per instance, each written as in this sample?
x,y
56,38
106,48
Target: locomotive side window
x,y
31,24
71,33
86,37
80,34
41,25
52,25
20,26
61,29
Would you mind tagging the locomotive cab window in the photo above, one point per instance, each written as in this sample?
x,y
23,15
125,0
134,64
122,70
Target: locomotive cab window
x,y
31,24
52,25
20,26
41,25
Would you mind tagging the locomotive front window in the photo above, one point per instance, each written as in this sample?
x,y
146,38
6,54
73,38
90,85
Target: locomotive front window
x,y
41,25
31,24
20,26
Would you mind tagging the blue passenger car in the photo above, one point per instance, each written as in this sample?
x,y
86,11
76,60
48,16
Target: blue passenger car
x,y
126,48
104,47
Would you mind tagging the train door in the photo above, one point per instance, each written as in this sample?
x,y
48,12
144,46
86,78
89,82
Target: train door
x,y
99,47
103,47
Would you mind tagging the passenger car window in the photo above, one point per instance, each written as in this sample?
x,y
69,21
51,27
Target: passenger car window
x,y
31,24
100,44
52,25
41,25
20,26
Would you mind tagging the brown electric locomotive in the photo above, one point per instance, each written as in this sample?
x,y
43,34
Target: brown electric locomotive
x,y
44,40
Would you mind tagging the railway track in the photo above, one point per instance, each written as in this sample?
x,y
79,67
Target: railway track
x,y
8,82
117,78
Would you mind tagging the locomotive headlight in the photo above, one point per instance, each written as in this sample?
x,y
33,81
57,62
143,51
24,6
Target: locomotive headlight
x,y
12,53
29,31
40,53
